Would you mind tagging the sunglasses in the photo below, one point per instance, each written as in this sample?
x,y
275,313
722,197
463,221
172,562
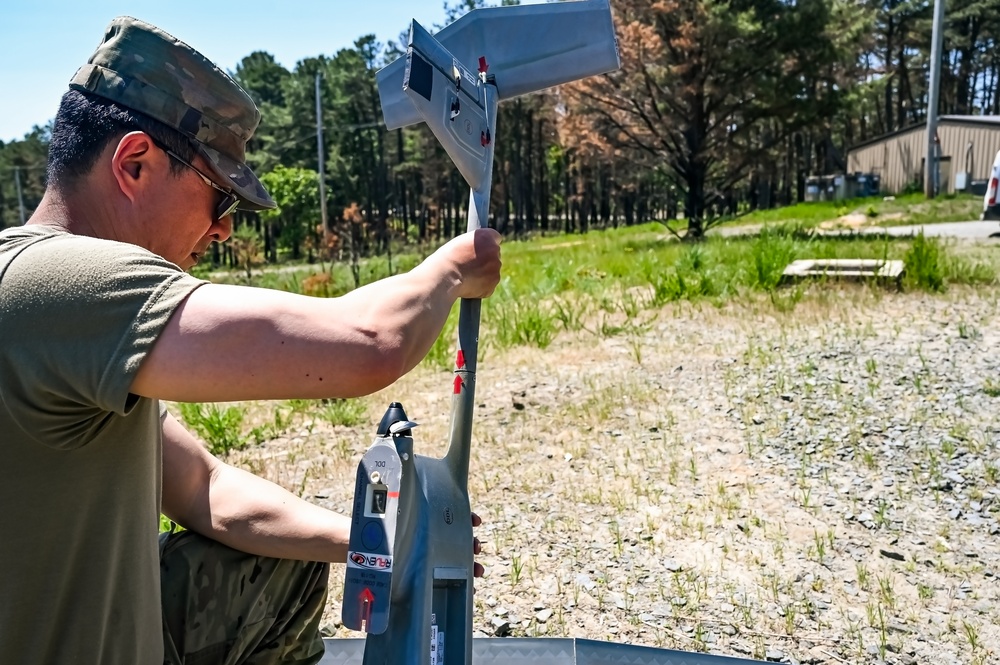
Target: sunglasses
x,y
229,203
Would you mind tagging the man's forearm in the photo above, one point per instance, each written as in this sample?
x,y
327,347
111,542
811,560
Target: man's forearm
x,y
256,516
227,343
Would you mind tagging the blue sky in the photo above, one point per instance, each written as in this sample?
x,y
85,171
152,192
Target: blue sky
x,y
42,42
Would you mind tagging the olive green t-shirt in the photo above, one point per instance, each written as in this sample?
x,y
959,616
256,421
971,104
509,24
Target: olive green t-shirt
x,y
80,457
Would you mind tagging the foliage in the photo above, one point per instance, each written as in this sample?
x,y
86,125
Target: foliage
x,y
296,191
708,87
22,167
923,264
722,107
219,426
247,247
346,412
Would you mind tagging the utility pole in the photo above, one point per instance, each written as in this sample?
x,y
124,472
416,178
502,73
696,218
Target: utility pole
x,y
20,195
933,92
322,162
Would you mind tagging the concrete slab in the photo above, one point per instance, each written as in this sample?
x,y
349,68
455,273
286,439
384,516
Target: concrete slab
x,y
845,269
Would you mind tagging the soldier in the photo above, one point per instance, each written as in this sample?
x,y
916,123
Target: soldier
x,y
100,322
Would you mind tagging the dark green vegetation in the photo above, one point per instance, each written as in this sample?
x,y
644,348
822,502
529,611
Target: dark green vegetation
x,y
722,107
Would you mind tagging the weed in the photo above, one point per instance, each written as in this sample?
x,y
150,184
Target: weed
x,y
863,576
346,412
967,331
524,322
569,315
972,635
516,566
886,592
218,426
923,264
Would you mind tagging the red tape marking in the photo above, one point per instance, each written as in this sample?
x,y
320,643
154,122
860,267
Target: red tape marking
x,y
458,385
460,360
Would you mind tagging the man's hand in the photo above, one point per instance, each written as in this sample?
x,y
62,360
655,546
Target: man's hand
x,y
477,548
476,260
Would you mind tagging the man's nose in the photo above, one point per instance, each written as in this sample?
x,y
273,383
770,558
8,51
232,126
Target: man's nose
x,y
222,229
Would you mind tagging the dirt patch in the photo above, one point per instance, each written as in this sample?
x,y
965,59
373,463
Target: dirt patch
x,y
858,220
816,487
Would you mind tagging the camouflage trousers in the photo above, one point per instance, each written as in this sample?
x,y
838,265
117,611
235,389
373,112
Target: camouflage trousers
x,y
225,607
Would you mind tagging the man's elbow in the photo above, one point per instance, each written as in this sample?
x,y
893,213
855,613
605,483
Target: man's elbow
x,y
385,362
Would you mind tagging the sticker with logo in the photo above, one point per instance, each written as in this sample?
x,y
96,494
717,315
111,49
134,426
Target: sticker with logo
x,y
367,561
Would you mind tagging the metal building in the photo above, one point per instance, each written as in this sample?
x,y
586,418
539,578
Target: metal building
x,y
968,144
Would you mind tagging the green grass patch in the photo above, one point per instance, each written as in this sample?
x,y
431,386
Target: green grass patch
x,y
219,426
924,267
612,282
879,211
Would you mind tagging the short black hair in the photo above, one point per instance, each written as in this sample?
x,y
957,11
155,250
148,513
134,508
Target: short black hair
x,y
84,126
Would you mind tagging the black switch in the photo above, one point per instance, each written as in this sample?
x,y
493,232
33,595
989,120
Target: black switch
x,y
378,501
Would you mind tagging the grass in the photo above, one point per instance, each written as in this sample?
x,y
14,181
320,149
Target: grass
x,y
219,426
610,283
879,211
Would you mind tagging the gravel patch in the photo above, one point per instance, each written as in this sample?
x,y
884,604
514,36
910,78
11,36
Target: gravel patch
x,y
819,486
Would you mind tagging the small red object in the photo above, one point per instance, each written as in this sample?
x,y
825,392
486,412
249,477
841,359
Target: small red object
x,y
483,67
458,385
460,360
366,597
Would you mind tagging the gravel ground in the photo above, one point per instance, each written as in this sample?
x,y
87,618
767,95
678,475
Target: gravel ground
x,y
819,486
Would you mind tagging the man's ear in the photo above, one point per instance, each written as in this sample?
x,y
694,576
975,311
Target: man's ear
x,y
134,162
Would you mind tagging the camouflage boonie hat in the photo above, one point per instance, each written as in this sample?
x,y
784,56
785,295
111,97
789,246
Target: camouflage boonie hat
x,y
145,69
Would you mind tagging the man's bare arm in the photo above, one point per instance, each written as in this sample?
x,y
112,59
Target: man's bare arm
x,y
243,511
228,343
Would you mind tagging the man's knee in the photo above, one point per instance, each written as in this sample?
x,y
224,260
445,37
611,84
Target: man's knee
x,y
214,595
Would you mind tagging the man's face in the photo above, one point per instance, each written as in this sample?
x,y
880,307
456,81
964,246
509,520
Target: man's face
x,y
187,219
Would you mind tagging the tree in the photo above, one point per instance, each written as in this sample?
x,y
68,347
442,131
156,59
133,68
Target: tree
x,y
296,191
22,165
700,85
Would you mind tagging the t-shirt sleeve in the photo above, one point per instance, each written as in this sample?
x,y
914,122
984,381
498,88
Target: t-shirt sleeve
x,y
80,315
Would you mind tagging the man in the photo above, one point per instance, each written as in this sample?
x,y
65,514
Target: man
x,y
98,322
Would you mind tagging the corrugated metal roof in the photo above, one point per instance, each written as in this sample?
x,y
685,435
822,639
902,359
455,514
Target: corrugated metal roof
x,y
989,120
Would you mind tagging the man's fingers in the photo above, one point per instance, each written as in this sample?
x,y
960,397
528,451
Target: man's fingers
x,y
477,548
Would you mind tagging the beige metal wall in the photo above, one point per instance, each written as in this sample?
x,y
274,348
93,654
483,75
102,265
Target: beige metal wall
x,y
898,159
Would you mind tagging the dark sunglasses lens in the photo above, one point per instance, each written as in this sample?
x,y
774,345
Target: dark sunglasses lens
x,y
227,206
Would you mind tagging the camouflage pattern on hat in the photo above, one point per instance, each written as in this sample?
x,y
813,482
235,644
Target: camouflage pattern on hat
x,y
143,68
